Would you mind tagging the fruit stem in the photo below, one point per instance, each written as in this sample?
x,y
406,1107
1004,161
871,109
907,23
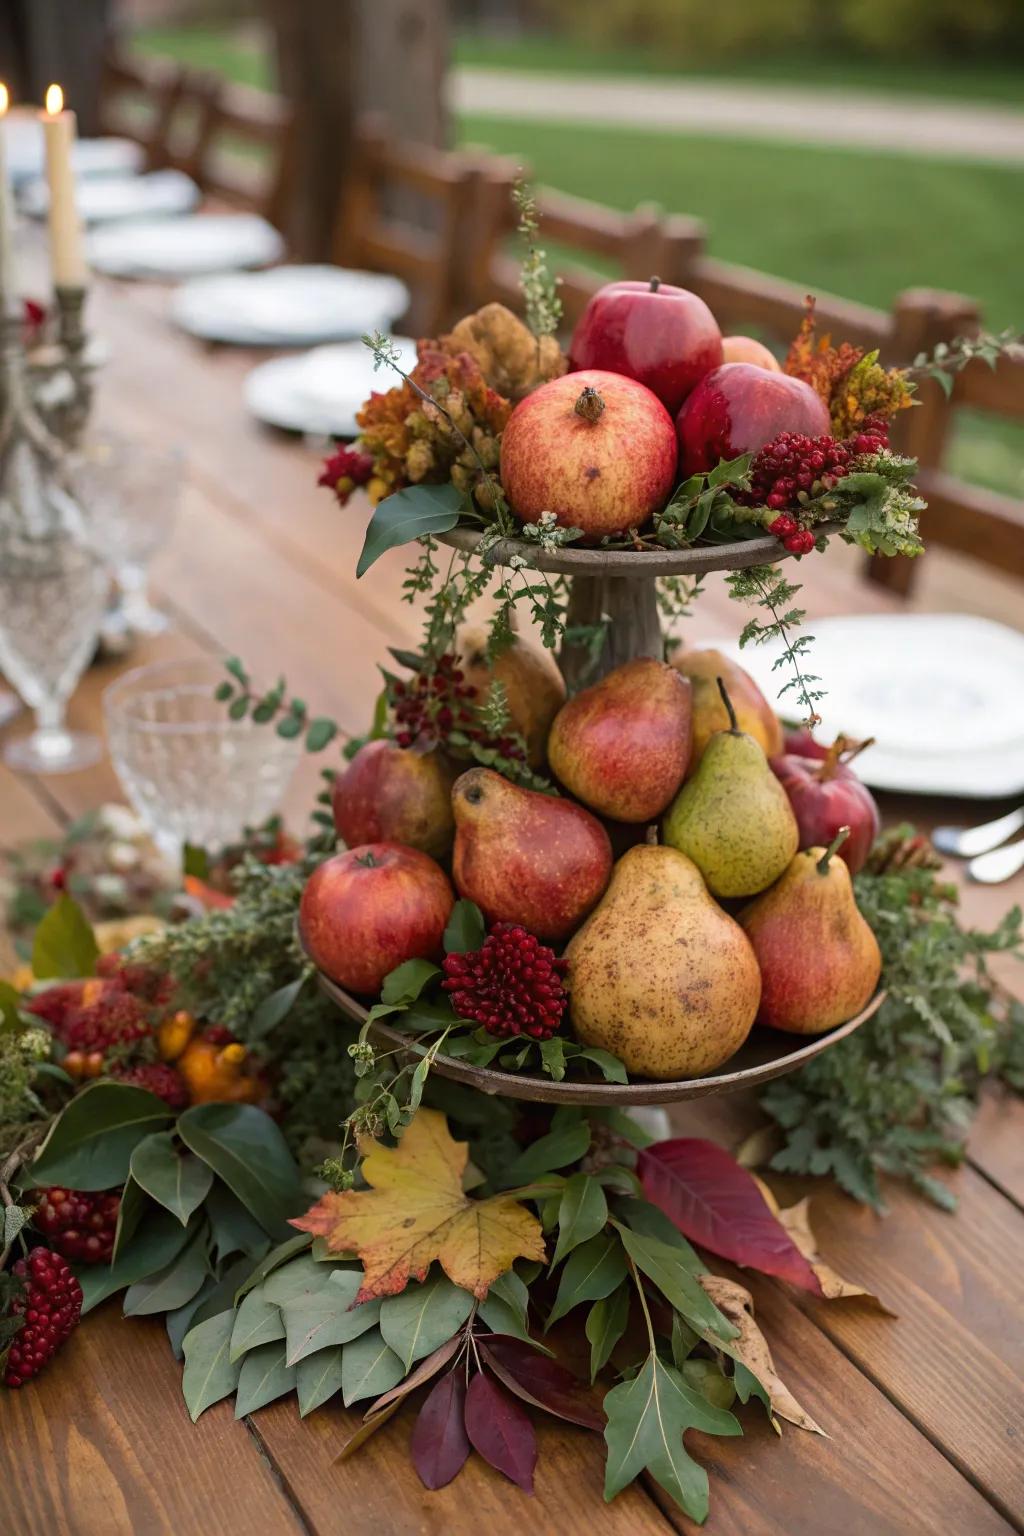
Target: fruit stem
x,y
733,726
841,752
589,405
655,284
833,847
367,860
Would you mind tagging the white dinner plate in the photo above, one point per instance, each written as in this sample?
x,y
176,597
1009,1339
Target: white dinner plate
x,y
942,694
26,157
320,392
102,199
183,247
290,306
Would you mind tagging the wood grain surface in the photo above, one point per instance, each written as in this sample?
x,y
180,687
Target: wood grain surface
x,y
924,1411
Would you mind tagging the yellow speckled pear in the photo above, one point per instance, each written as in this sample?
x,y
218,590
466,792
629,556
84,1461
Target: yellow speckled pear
x,y
659,974
733,818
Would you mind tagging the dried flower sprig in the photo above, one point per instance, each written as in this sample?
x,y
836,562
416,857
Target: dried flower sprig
x,y
537,282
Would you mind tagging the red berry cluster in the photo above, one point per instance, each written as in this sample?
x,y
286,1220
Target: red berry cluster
x,y
51,1304
79,1225
434,703
792,464
512,984
346,469
156,1077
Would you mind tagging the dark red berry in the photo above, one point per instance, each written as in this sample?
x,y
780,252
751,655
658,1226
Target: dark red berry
x,y
512,984
159,1078
783,526
80,1225
51,1304
800,543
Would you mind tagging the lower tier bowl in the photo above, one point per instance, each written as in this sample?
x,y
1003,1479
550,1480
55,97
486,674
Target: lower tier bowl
x,y
765,1054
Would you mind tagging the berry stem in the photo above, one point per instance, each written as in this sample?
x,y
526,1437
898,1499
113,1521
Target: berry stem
x,y
733,725
833,847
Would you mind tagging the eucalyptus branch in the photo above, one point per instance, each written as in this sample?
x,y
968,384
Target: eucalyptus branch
x,y
949,358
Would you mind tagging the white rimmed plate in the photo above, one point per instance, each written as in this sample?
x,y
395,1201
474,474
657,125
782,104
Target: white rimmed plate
x,y
102,199
290,306
320,392
183,247
942,694
26,158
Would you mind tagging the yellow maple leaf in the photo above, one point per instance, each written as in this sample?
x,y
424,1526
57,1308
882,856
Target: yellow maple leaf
x,y
416,1211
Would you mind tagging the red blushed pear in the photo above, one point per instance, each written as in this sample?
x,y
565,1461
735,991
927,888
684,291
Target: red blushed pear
x,y
819,960
662,336
525,857
622,746
826,795
368,910
596,449
394,794
738,408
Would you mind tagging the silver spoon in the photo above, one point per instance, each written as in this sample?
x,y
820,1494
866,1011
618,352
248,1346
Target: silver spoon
x,y
965,842
997,865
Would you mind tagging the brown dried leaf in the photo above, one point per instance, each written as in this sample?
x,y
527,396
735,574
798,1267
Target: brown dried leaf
x,y
751,1348
797,1222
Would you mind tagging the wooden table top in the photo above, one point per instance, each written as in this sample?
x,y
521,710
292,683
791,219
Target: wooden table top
x,y
925,1412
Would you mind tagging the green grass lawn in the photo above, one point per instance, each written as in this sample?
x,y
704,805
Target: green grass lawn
x,y
990,81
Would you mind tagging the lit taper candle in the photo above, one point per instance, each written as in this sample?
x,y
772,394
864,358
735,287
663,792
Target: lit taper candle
x,y
67,254
8,297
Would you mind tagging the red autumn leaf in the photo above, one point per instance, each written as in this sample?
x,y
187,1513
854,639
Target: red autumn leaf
x,y
540,1381
439,1446
501,1431
717,1204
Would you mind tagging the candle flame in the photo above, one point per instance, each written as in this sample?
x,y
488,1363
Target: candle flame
x,y
54,100
5,98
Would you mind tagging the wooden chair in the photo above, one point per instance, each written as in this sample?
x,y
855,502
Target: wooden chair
x,y
409,210
138,100
242,146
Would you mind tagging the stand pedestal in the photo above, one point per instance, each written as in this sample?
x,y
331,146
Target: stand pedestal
x,y
633,629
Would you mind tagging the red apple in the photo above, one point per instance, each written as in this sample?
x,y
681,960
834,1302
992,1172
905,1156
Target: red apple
x,y
596,449
801,743
367,910
394,794
825,795
665,337
738,408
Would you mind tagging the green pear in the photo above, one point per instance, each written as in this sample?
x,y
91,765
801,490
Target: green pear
x,y
733,817
659,975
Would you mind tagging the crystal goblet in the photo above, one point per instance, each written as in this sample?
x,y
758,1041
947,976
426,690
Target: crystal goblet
x,y
192,774
53,591
129,492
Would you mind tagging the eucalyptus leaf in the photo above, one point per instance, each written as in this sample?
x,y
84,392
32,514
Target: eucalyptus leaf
x,y
407,515
179,1183
301,1276
245,1148
181,1319
134,1204
257,1321
368,1368
172,1286
263,1377
327,1317
64,946
317,1378
582,1212
422,1317
157,1241
282,1254
209,1374
91,1142
612,1069
224,1292
233,1229
405,983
